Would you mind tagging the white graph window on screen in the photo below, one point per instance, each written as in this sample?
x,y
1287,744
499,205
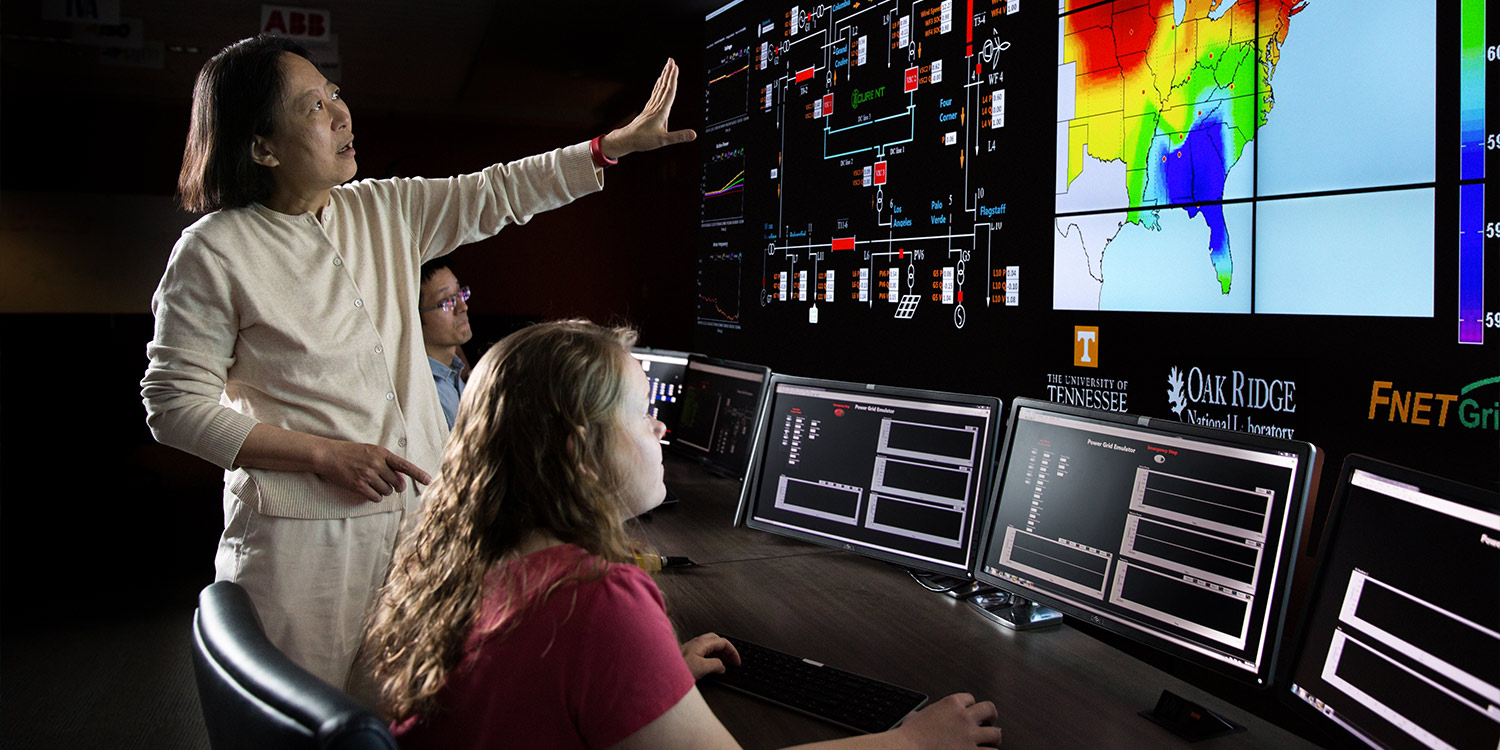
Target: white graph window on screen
x,y
1392,648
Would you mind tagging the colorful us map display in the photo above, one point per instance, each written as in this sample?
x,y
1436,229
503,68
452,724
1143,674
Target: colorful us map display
x,y
1162,108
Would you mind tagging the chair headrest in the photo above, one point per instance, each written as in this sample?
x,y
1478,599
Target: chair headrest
x,y
229,629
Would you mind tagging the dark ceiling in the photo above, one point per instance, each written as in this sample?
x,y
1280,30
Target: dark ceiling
x,y
532,65
480,58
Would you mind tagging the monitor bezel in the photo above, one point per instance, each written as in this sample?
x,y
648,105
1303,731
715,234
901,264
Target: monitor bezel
x,y
751,485
704,457
637,351
1449,489
1309,463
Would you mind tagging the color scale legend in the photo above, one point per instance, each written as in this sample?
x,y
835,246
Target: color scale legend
x,y
1472,144
1471,93
1471,264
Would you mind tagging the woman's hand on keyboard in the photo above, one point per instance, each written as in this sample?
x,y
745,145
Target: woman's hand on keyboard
x,y
957,721
707,654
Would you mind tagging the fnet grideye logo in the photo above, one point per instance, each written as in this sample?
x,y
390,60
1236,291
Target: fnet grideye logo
x,y
1085,346
1393,403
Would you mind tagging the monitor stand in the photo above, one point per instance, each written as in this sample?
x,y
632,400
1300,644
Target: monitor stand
x,y
1015,612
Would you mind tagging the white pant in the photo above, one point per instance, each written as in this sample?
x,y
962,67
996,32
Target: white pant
x,y
312,582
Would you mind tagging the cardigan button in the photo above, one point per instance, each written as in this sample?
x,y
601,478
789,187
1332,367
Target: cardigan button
x,y
338,261
359,303
390,397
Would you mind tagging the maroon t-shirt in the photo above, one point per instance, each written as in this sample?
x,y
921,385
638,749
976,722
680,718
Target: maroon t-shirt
x,y
587,668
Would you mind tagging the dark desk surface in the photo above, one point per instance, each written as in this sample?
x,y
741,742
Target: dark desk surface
x,y
701,526
1057,687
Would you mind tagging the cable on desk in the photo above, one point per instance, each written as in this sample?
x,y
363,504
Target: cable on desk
x,y
935,588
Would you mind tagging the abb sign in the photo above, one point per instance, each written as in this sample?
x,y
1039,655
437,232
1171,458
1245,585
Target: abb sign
x,y
307,24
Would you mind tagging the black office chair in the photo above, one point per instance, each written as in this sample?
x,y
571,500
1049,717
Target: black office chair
x,y
253,696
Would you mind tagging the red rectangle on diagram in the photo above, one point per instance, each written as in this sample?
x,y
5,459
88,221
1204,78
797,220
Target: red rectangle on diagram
x,y
911,80
843,243
804,74
827,104
879,176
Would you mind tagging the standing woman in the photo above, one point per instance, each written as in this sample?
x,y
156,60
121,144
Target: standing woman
x,y
513,616
288,348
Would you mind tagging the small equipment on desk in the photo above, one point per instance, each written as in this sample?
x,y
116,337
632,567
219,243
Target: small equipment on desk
x,y
652,562
818,690
958,588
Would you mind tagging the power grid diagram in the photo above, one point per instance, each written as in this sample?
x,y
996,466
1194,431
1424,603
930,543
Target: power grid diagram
x,y
844,145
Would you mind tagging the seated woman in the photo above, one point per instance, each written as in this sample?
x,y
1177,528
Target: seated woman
x,y
512,617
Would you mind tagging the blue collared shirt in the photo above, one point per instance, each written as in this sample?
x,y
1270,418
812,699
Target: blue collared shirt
x,y
449,385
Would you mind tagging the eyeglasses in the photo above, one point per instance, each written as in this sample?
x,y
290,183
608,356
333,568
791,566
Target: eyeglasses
x,y
449,303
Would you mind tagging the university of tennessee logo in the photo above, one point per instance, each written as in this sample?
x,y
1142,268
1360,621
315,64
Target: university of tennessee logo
x,y
1085,346
1093,390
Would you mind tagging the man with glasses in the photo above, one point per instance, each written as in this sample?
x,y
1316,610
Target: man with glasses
x,y
445,329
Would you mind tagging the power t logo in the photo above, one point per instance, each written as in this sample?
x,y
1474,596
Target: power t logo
x,y
1085,346
1476,406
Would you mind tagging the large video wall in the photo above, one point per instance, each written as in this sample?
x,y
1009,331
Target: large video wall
x,y
1263,215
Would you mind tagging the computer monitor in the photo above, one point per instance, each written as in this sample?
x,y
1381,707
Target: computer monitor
x,y
1400,640
892,473
1178,536
665,370
720,408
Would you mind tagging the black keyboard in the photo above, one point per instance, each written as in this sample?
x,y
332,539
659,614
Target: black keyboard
x,y
820,691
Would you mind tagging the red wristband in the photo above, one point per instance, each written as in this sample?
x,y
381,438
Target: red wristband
x,y
600,160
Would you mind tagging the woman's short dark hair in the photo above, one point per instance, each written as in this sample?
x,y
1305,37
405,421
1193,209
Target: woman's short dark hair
x,y
234,100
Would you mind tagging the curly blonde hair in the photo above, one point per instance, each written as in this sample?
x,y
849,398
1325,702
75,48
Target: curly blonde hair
x,y
531,450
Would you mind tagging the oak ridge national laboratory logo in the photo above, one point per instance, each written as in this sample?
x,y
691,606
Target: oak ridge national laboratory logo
x,y
1233,401
1175,396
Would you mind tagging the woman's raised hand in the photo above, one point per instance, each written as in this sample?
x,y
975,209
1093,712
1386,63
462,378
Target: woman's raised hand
x,y
649,128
